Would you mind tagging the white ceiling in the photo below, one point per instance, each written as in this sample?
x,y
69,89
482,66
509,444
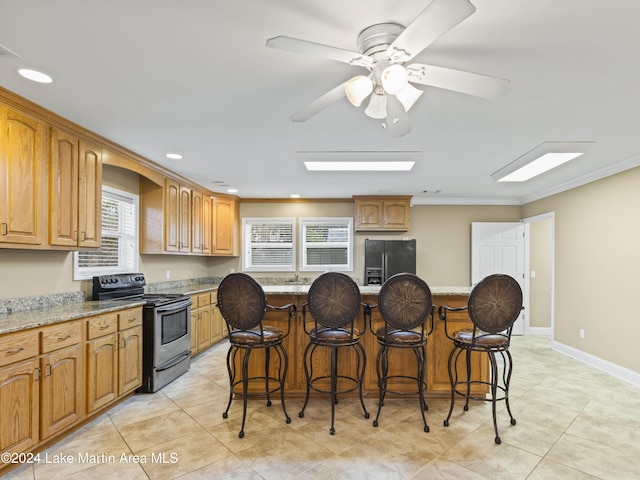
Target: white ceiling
x,y
195,77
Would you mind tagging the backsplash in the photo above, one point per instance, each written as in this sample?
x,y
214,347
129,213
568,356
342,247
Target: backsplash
x,y
156,287
17,304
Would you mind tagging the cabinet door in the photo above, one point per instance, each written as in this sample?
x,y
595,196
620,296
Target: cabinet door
x,y
217,322
204,327
19,404
197,227
90,195
171,213
61,390
22,170
130,360
184,220
102,371
194,331
223,226
368,215
396,215
63,189
207,202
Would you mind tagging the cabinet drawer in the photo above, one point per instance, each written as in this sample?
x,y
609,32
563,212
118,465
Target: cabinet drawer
x,y
18,346
102,325
204,299
129,318
59,336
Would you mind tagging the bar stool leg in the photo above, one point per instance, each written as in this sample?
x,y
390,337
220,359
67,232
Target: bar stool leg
x,y
245,388
306,360
232,377
267,362
420,358
334,387
453,364
382,367
361,354
282,376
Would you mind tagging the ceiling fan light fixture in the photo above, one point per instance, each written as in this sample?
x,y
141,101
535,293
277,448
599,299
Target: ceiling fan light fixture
x,y
377,107
394,79
409,96
357,89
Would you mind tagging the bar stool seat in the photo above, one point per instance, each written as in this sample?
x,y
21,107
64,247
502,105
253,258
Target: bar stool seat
x,y
333,301
405,305
243,305
494,305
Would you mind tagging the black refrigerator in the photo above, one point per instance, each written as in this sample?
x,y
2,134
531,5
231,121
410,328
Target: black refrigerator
x,y
385,258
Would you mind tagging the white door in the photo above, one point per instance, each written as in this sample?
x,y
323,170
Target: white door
x,y
499,247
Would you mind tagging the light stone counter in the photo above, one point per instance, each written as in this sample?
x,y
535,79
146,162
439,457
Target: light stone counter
x,y
294,289
39,317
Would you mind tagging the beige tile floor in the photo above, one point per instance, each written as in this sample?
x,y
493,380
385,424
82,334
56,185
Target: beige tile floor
x,y
574,422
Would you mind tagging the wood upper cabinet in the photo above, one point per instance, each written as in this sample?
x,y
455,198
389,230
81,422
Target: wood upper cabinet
x,y
382,213
177,217
22,176
75,191
223,226
201,222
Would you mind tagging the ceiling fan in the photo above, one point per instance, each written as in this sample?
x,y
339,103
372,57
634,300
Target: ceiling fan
x,y
385,50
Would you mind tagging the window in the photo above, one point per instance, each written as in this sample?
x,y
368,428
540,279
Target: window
x,y
118,252
268,244
327,244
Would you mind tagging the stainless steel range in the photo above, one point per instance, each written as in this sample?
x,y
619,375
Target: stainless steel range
x,y
166,346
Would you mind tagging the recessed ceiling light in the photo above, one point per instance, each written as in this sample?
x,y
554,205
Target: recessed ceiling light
x,y
539,160
359,166
174,156
35,75
232,190
294,195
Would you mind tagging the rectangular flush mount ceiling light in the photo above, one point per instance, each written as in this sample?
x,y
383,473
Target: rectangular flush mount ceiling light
x,y
360,161
539,160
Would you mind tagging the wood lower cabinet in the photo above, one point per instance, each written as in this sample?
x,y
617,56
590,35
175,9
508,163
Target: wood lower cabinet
x,y
114,356
53,377
22,176
207,325
20,406
61,368
382,213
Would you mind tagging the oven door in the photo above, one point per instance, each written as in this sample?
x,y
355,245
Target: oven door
x,y
173,331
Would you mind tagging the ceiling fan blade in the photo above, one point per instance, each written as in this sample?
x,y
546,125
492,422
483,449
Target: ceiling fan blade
x,y
397,121
435,20
319,104
297,45
470,83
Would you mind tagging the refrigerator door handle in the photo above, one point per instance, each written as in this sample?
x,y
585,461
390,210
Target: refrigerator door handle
x,y
384,269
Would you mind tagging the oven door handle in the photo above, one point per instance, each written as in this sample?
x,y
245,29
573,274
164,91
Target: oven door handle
x,y
173,362
174,307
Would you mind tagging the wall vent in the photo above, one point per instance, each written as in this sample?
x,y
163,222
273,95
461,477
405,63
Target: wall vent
x,y
6,53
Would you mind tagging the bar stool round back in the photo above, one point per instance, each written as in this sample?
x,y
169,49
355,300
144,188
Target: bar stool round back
x,y
405,304
494,305
334,302
243,305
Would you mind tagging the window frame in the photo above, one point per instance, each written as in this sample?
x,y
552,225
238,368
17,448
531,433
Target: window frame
x,y
247,264
306,221
87,273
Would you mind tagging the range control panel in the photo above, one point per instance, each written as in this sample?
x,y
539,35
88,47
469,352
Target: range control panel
x,y
119,281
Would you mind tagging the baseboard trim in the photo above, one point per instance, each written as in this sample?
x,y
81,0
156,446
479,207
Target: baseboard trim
x,y
544,331
597,362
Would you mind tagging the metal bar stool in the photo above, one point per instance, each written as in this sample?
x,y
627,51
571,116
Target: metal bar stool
x,y
405,304
334,302
494,305
243,304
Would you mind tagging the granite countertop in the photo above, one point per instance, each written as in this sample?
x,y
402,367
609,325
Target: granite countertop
x,y
364,290
39,317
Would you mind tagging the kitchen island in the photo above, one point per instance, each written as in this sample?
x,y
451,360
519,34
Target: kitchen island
x,y
438,345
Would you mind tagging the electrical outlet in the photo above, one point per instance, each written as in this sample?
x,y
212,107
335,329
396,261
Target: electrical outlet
x,y
168,274
582,333
232,270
